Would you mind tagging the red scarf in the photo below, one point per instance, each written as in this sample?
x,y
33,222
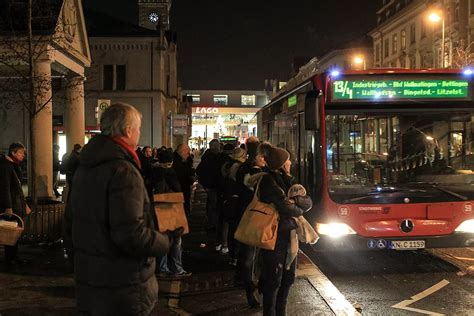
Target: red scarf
x,y
128,149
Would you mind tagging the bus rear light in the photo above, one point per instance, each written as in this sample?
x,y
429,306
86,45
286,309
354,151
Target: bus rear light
x,y
334,230
466,226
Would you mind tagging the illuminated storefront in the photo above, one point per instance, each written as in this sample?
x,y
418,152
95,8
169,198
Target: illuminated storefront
x,y
215,121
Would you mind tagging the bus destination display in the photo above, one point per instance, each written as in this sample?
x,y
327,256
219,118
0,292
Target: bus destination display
x,y
393,90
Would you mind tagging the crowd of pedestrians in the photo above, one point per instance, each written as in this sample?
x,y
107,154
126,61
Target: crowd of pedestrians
x,y
111,230
230,177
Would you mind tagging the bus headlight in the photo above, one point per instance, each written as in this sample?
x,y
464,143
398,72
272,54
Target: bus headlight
x,y
334,229
466,226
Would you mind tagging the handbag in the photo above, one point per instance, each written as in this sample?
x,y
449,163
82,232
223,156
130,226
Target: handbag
x,y
169,210
259,224
304,230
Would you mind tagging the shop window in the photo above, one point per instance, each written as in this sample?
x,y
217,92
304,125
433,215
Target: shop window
x,y
220,99
248,99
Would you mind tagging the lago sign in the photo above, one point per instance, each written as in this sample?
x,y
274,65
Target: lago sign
x,y
403,90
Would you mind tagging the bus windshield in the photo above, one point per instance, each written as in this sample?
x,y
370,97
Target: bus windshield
x,y
391,157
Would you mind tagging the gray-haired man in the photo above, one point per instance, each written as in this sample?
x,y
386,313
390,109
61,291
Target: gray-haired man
x,y
113,238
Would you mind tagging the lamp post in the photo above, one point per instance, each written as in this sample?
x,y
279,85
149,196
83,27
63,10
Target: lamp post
x,y
435,18
359,61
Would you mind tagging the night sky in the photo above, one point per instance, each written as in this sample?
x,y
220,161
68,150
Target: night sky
x,y
225,44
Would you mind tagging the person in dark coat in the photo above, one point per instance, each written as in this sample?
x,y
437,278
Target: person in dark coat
x,y
277,273
183,165
165,180
208,175
231,200
247,270
71,164
12,199
110,224
56,169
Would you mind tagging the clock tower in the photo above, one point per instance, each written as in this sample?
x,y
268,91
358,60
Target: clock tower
x,y
154,13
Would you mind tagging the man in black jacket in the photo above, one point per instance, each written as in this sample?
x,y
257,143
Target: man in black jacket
x,y
110,222
12,200
183,165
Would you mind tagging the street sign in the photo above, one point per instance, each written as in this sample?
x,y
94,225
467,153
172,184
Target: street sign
x,y
102,104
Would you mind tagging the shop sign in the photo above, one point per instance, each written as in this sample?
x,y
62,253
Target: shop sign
x,y
203,110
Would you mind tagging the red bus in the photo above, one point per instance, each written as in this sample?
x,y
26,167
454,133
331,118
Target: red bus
x,y
387,155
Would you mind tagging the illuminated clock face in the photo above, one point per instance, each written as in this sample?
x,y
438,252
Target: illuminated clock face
x,y
154,17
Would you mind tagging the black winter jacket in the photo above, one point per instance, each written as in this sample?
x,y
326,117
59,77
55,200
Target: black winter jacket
x,y
11,194
115,243
184,171
165,180
208,170
273,189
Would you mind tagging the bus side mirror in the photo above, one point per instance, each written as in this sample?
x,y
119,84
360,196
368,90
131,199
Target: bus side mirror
x,y
311,111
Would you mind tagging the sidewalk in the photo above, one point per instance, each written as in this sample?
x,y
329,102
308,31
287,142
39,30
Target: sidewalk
x,y
45,286
211,291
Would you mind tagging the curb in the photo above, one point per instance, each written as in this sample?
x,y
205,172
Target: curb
x,y
326,289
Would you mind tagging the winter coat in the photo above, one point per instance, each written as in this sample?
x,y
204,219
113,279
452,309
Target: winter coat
x,y
184,170
11,193
230,190
208,170
72,162
273,188
115,243
247,169
165,180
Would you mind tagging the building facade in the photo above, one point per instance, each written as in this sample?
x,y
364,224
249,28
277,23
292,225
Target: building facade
x,y
405,37
59,60
223,113
135,64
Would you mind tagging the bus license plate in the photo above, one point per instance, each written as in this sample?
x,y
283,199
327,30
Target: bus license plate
x,y
408,244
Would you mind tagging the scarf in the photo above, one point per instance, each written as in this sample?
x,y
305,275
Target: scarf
x,y
128,149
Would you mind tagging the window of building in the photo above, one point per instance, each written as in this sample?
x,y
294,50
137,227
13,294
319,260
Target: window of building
x,y
220,99
456,12
377,52
108,77
121,77
472,6
196,98
248,99
394,43
423,29
413,33
386,50
403,39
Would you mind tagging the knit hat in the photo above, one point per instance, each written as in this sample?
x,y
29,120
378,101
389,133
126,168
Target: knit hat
x,y
275,157
165,156
252,145
228,148
239,154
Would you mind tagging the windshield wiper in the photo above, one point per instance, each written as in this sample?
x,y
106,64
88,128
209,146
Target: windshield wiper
x,y
456,195
372,193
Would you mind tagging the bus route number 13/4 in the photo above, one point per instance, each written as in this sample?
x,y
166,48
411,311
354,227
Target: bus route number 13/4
x,y
342,87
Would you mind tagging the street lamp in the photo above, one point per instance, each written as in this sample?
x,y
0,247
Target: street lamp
x,y
435,17
359,61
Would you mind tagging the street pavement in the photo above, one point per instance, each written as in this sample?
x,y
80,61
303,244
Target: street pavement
x,y
45,286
